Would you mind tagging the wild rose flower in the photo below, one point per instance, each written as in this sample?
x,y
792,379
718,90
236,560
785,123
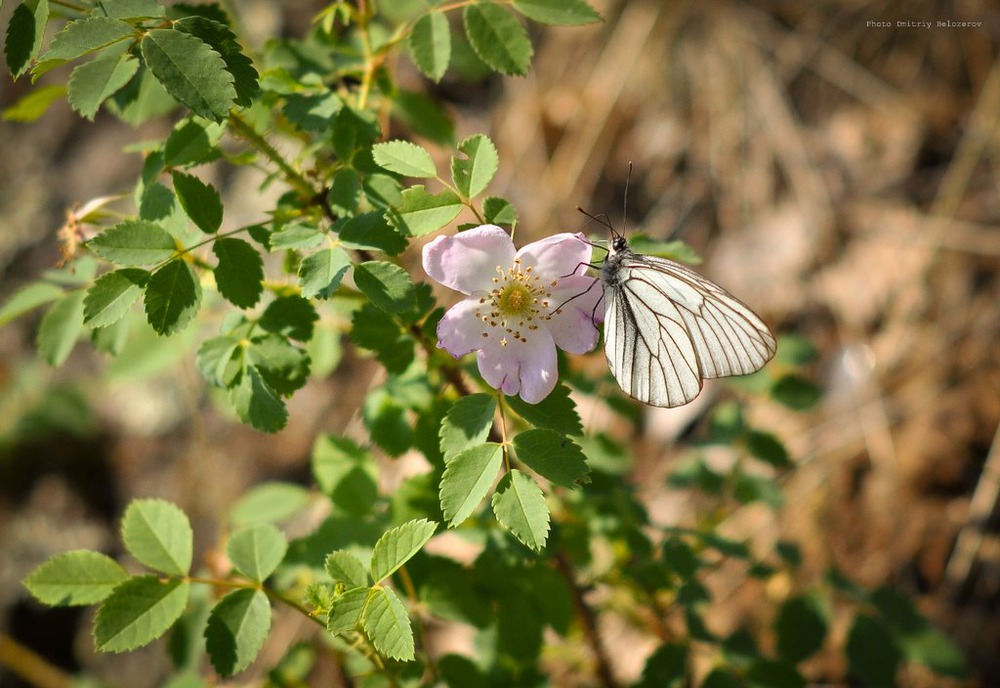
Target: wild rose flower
x,y
521,306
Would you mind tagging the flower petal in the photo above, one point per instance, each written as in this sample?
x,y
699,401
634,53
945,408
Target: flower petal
x,y
574,325
526,368
467,262
557,256
460,331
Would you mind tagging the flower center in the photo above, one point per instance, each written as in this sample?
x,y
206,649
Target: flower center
x,y
516,303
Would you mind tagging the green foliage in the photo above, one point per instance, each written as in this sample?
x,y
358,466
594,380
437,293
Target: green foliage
x,y
158,534
398,545
139,611
92,83
257,550
75,578
430,44
190,71
467,479
519,505
466,424
498,38
236,630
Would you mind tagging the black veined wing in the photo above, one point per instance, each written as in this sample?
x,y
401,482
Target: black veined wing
x,y
667,329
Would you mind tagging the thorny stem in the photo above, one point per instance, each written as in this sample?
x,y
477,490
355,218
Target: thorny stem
x,y
294,177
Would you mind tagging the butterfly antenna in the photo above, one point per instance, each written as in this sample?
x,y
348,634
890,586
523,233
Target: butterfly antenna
x,y
628,178
599,219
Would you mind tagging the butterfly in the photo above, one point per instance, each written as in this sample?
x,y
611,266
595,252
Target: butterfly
x,y
667,329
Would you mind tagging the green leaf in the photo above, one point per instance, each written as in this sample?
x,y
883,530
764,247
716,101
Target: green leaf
x,y
872,654
220,38
564,12
215,360
473,174
93,82
346,473
424,116
371,231
430,44
919,641
134,242
257,550
312,112
388,626
499,211
173,295
138,612
376,330
296,235
236,630
767,448
398,546
200,200
290,316
112,296
34,104
796,392
24,34
193,141
159,535
240,272
768,673
422,213
667,667
60,327
467,479
76,578
344,567
405,158
347,610
552,455
520,507
284,366
130,9
256,403
388,286
85,36
320,273
345,191
28,299
269,502
555,412
796,350
190,71
142,99
498,38
801,627
467,423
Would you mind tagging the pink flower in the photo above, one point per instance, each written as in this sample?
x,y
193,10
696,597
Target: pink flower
x,y
521,305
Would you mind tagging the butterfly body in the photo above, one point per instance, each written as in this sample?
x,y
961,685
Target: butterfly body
x,y
667,329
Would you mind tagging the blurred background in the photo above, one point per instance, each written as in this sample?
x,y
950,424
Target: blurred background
x,y
838,171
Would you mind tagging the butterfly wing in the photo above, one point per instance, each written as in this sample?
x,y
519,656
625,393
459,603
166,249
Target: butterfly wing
x,y
667,329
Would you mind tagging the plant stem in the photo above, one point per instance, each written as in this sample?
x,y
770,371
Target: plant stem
x,y
30,666
293,176
589,620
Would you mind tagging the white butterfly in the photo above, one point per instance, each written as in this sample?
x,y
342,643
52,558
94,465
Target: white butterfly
x,y
667,329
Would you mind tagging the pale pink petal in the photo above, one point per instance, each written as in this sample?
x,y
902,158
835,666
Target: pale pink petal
x,y
467,262
557,256
460,331
526,368
574,325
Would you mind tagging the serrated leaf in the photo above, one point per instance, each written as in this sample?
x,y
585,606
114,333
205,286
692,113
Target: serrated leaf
x,y
60,327
467,423
296,235
354,131
112,296
142,99
405,158
346,473
138,612
430,44
290,316
130,9
376,330
76,578
388,286
190,71
555,412
424,116
24,34
192,142
268,502
371,231
520,507
173,295
236,630
467,479
320,273
552,455
257,404
159,535
388,625
499,211
497,38
220,37
84,36
560,12
215,360
34,104
346,611
284,366
28,299
344,567
345,191
200,200
473,174
91,83
134,242
398,545
422,213
257,550
240,272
